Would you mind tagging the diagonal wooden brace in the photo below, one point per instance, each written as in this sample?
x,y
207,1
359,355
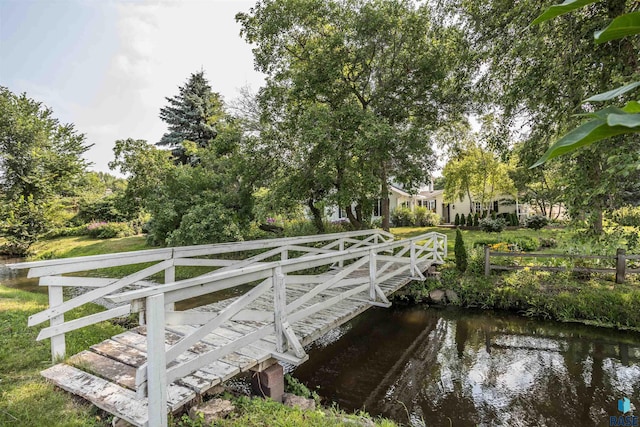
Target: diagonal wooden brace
x,y
293,340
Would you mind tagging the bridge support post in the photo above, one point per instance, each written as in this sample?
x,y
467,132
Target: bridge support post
x,y
280,305
372,274
341,248
156,362
269,382
413,259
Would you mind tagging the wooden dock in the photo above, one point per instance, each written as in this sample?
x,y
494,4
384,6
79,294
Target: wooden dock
x,y
177,356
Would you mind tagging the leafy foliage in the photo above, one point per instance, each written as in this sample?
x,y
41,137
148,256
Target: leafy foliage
x,y
536,222
40,162
353,91
490,225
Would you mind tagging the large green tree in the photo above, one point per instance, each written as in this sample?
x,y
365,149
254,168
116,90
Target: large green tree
x,y
535,78
40,161
191,116
353,90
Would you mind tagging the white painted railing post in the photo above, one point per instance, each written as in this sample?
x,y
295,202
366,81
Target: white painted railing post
x,y
413,258
341,248
279,305
58,346
372,275
156,362
170,277
285,254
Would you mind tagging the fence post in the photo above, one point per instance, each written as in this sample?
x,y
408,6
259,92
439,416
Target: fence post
x,y
156,361
413,258
280,306
284,255
621,265
487,265
372,274
341,248
58,346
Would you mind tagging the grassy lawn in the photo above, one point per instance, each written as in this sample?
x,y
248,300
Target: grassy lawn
x,y
473,236
25,398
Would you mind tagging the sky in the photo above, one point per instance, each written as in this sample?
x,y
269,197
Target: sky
x,y
107,66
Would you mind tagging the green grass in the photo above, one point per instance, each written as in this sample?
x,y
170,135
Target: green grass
x,y
25,398
256,412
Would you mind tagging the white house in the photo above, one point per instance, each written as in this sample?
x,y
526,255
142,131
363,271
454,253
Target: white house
x,y
447,211
397,198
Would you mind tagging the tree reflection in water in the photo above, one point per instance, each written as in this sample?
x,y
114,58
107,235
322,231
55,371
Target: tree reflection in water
x,y
476,368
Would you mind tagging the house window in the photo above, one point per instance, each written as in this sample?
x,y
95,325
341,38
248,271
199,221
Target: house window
x,y
405,204
478,207
377,207
341,213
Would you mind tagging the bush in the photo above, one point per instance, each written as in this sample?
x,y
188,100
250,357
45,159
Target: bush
x,y
489,225
627,216
536,222
402,217
109,230
457,221
548,242
469,220
80,230
460,252
525,243
463,219
476,220
206,223
423,217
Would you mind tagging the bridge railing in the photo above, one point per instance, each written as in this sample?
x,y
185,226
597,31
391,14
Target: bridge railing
x,y
384,257
55,274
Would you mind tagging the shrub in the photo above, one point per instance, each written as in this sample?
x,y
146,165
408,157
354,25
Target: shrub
x,y
463,219
627,216
109,230
548,242
536,222
476,220
80,230
460,252
206,223
469,220
425,218
402,217
489,225
457,221
525,243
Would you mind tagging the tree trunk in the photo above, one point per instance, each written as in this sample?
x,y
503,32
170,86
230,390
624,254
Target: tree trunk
x,y
597,222
317,216
353,219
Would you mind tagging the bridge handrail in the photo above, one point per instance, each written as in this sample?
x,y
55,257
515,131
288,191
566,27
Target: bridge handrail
x,y
167,259
84,263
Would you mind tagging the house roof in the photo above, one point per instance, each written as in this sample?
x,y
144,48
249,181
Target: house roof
x,y
431,194
404,193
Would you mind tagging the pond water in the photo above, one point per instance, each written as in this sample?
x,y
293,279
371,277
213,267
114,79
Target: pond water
x,y
452,367
17,278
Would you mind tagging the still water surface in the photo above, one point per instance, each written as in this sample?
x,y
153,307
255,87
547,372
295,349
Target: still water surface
x,y
443,367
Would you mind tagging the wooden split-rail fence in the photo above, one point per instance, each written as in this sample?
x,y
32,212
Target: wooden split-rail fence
x,y
621,268
300,288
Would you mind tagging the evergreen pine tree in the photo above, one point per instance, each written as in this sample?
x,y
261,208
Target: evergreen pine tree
x,y
460,252
191,116
457,220
469,220
476,220
462,220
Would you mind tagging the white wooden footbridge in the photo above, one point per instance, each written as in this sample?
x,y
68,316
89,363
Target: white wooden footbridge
x,y
300,288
